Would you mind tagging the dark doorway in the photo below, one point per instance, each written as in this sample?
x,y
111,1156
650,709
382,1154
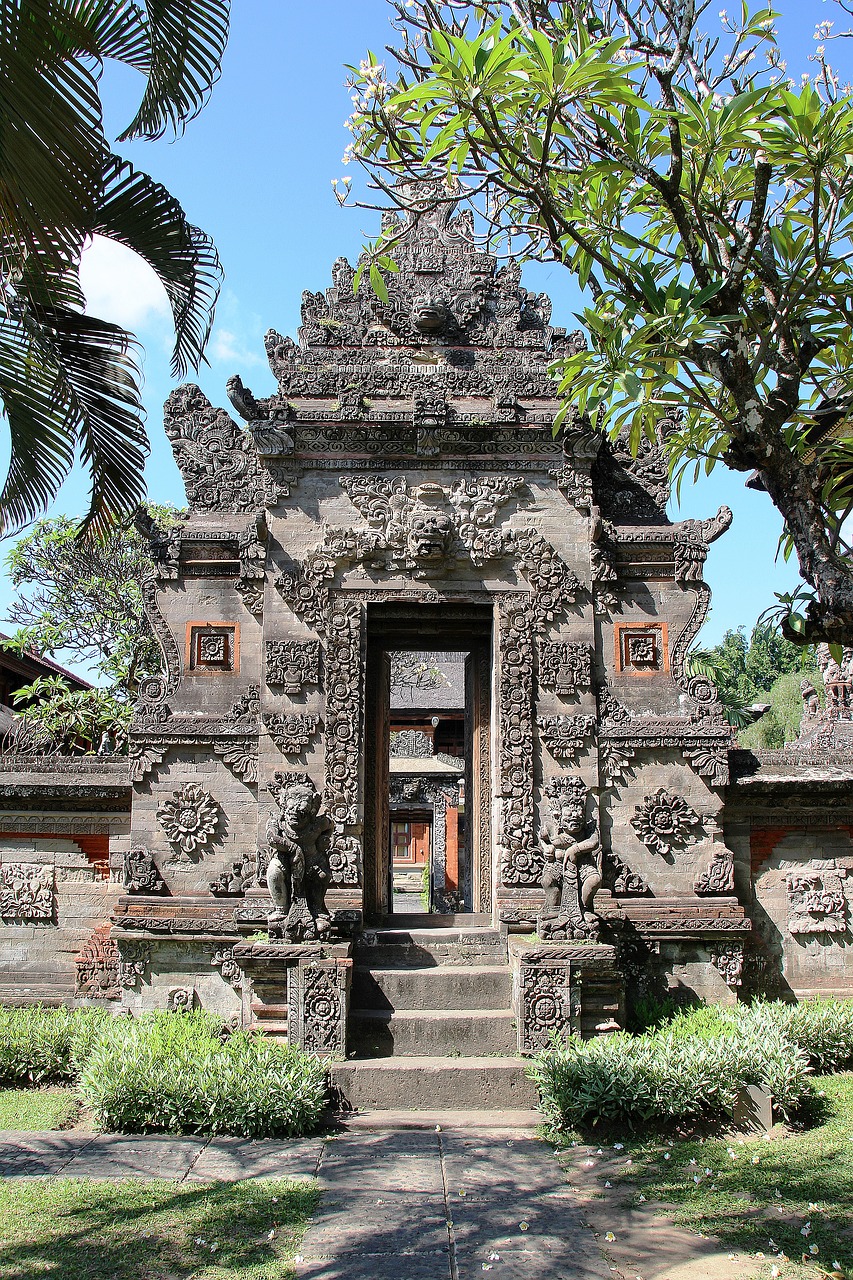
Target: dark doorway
x,y
427,836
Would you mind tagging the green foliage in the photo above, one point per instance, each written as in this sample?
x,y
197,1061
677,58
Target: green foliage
x,y
81,600
176,1074
704,201
45,1046
69,382
781,723
693,1066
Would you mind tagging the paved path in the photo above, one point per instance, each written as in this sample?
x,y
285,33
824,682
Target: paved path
x,y
448,1203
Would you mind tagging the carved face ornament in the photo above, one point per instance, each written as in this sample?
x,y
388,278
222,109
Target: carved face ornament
x,y
429,313
300,806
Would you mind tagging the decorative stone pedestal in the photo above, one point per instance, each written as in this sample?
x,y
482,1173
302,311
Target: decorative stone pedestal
x,y
298,992
573,988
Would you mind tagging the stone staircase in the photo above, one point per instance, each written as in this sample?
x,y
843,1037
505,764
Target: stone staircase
x,y
431,1023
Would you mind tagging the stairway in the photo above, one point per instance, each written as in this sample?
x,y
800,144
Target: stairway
x,y
431,1024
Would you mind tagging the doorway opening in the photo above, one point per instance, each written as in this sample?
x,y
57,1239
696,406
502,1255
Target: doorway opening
x,y
427,762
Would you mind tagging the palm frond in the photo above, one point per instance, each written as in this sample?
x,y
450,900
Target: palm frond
x,y
141,214
187,39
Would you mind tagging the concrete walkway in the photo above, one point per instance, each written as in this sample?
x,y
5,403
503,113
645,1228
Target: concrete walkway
x,y
446,1203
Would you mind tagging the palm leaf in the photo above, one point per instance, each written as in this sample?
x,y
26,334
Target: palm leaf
x,y
141,214
187,40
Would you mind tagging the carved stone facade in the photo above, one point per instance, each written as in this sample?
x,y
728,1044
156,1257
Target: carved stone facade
x,y
26,891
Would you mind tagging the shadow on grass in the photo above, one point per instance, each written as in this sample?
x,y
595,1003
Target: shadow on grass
x,y
132,1230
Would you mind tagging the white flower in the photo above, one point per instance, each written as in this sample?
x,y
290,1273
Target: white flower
x,y
607,1184
271,1235
806,1230
666,1155
618,1146
813,1248
774,1271
642,1199
524,1226
609,1236
755,1159
494,1257
214,1246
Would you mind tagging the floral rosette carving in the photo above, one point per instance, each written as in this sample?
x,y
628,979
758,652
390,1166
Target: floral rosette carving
x,y
664,821
190,818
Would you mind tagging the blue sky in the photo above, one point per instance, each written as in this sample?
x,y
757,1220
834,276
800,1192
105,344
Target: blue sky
x,y
255,171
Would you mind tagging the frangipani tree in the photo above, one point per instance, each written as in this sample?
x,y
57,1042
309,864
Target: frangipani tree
x,y
703,200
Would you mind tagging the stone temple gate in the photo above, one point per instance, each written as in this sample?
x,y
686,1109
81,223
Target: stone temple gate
x,y
403,491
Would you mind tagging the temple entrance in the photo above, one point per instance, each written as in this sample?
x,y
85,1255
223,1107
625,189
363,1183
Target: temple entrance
x,y
427,764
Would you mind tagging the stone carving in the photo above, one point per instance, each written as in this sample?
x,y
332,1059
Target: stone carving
x,y
344,682
318,1007
621,880
140,872
97,967
154,690
26,891
190,818
692,539
632,484
817,902
564,736
565,667
728,959
223,960
252,551
292,663
837,683
521,859
811,700
573,863
641,647
217,460
616,763
163,544
410,744
233,883
550,1001
181,999
241,757
719,875
663,822
344,861
291,732
298,872
422,530
133,961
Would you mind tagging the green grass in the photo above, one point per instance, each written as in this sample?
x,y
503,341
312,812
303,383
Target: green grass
x,y
38,1108
811,1170
77,1229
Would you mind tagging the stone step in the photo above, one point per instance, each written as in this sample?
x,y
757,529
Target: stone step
x,y
432,1084
421,948
432,1033
443,986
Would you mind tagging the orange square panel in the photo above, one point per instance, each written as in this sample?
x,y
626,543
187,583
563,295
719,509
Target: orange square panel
x,y
642,648
212,648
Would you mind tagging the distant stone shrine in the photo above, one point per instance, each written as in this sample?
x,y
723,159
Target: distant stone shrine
x,y
403,493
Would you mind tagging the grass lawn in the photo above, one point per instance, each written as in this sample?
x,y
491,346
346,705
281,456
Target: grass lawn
x,y
78,1229
38,1108
789,1195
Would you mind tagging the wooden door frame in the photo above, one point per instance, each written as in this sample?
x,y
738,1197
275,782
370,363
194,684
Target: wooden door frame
x,y
462,627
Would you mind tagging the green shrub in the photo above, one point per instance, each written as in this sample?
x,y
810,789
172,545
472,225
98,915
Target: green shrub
x,y
822,1028
175,1074
673,1073
42,1046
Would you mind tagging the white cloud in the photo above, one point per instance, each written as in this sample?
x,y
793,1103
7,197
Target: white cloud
x,y
226,347
121,287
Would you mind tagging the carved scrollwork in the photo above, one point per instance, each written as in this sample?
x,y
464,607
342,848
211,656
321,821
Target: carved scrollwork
x,y
291,732
140,872
817,902
521,859
550,1002
26,891
97,967
565,667
344,683
217,460
292,664
728,960
719,875
223,960
134,959
565,736
664,821
190,818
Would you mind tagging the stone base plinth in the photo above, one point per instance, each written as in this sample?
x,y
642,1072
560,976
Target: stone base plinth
x,y
298,992
573,988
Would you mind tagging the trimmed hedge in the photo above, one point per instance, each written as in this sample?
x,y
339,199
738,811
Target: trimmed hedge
x,y
45,1046
167,1073
696,1063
